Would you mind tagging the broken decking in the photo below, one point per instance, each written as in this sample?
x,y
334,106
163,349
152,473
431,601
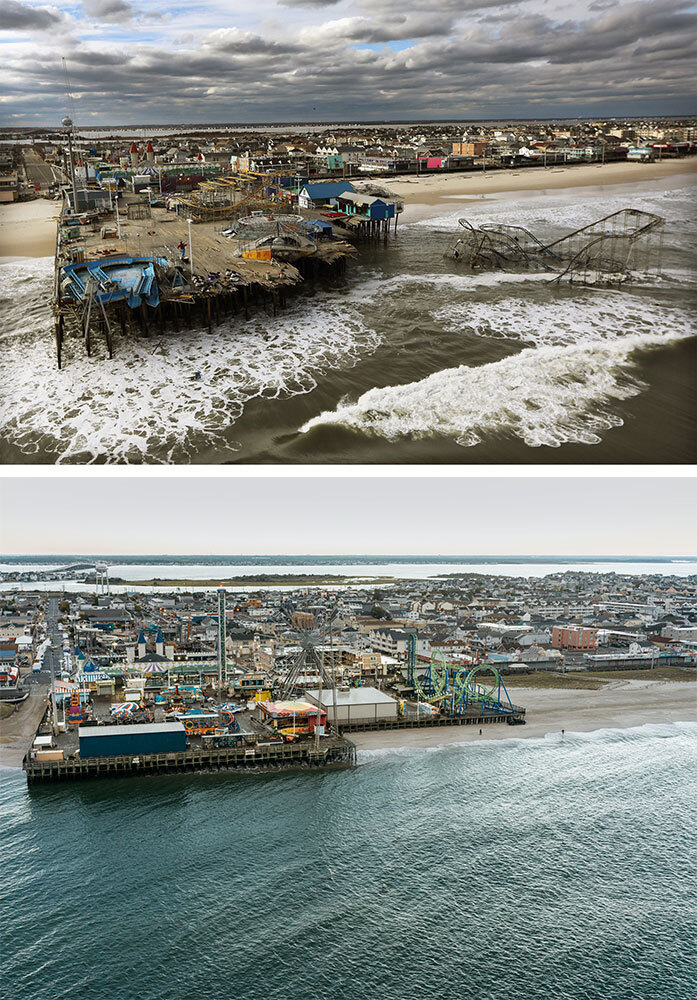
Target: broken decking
x,y
219,283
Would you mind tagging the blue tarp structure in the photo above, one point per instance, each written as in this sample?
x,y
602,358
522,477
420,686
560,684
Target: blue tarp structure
x,y
118,278
319,226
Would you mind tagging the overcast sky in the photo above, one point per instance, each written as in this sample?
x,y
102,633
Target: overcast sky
x,y
323,60
320,516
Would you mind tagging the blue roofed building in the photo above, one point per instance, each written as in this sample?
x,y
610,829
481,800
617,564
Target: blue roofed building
x,y
322,193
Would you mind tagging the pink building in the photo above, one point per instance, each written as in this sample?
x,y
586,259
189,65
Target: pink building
x,y
574,638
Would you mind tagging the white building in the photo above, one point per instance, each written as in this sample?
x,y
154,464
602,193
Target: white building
x,y
355,706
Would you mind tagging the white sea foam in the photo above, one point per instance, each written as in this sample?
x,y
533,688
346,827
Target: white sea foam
x,y
581,314
548,395
632,734
147,401
569,209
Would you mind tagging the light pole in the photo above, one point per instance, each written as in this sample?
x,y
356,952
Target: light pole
x,y
68,125
118,218
191,249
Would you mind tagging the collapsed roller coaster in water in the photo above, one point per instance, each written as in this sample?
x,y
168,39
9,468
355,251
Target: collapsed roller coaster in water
x,y
454,689
610,251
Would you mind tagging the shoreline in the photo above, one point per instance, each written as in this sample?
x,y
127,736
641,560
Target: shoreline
x,y
424,194
17,730
28,229
258,580
616,705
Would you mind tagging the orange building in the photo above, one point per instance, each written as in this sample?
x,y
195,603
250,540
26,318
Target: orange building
x,y
574,638
470,147
303,619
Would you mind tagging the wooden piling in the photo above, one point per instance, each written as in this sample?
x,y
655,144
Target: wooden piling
x,y
59,338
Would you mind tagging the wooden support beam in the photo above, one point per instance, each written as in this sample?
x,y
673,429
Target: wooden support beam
x,y
59,338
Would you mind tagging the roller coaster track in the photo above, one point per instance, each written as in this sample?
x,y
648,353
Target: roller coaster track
x,y
601,250
455,688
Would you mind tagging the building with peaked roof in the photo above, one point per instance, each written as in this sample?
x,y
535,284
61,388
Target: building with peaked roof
x,y
322,193
357,203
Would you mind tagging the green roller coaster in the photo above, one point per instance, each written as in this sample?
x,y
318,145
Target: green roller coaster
x,y
454,689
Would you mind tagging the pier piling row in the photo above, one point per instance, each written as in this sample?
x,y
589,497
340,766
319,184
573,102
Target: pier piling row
x,y
334,753
201,290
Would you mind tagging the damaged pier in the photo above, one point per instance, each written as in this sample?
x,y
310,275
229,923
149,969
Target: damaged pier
x,y
123,277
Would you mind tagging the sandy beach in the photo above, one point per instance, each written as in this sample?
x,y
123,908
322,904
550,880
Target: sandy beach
x,y
28,229
17,731
423,193
617,705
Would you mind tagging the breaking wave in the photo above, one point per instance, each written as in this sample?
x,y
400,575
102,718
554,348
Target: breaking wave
x,y
148,403
583,315
545,396
647,731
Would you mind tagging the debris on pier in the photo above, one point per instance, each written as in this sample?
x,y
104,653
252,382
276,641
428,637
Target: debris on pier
x,y
609,251
149,271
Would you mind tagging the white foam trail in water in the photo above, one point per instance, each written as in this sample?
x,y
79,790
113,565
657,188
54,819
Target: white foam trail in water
x,y
571,739
568,210
584,314
146,403
546,395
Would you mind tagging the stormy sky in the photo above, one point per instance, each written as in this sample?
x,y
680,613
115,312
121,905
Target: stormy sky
x,y
337,60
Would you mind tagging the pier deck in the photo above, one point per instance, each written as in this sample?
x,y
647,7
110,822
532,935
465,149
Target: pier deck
x,y
333,751
222,283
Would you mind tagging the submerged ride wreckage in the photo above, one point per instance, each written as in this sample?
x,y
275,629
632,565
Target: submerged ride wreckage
x,y
609,251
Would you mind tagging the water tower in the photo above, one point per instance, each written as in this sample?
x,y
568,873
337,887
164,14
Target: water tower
x,y
102,572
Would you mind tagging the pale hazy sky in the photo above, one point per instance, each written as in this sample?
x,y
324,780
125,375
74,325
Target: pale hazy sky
x,y
320,516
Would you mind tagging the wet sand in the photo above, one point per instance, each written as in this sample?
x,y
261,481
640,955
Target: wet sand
x,y
28,229
617,705
423,193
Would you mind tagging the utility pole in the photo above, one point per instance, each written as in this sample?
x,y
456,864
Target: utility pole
x,y
68,125
331,653
318,720
191,249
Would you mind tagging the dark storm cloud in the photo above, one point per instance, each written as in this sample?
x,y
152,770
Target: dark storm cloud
x,y
18,17
519,64
108,10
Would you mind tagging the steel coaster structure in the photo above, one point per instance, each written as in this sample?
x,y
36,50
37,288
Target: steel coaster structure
x,y
469,688
608,251
454,688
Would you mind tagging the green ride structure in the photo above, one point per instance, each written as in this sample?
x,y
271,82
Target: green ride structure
x,y
454,689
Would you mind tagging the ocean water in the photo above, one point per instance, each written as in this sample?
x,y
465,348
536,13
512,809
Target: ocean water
x,y
363,569
523,870
416,360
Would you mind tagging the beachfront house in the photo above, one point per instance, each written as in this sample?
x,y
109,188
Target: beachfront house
x,y
322,193
370,207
